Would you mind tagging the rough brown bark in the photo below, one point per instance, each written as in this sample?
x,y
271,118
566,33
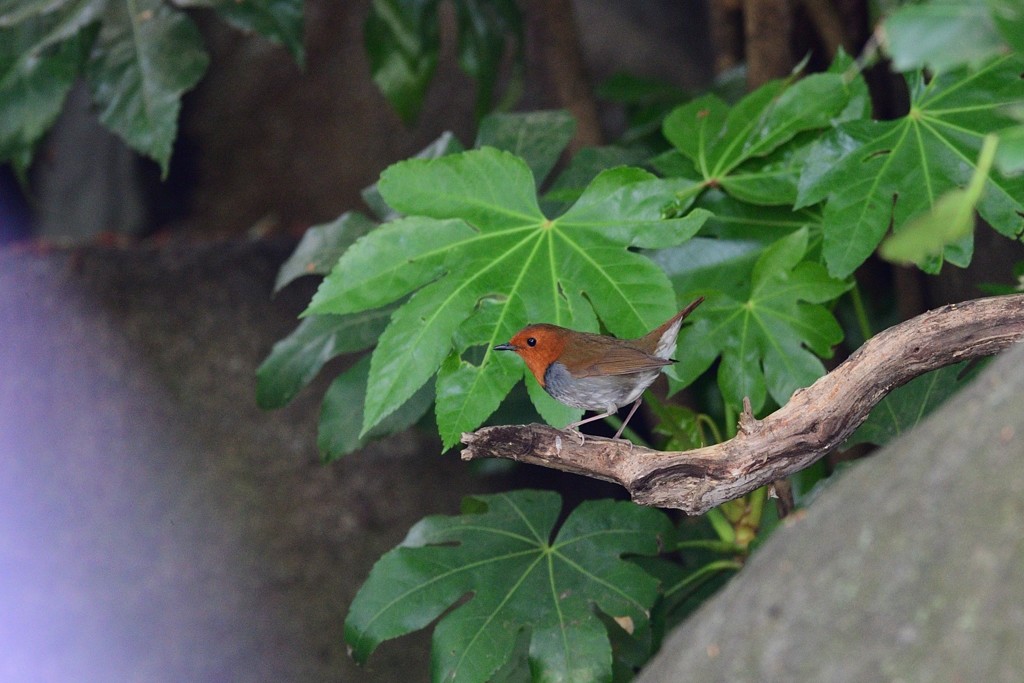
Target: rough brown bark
x,y
814,422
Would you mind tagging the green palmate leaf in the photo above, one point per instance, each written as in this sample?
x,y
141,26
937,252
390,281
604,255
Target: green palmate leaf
x,y
734,237
679,424
737,220
880,173
770,342
710,263
1008,16
584,166
402,42
474,234
278,20
941,34
538,137
296,359
445,144
321,246
341,413
144,61
521,579
1010,152
741,149
949,222
903,408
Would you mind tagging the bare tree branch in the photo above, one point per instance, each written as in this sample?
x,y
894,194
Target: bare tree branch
x,y
814,422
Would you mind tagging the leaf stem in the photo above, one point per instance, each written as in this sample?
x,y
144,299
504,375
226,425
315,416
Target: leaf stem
x,y
722,526
702,574
860,311
713,545
730,421
755,505
716,433
985,158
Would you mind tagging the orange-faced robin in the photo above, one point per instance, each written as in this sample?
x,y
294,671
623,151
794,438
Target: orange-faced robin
x,y
594,371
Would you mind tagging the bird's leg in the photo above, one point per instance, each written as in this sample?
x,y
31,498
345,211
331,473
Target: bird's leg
x,y
636,404
574,427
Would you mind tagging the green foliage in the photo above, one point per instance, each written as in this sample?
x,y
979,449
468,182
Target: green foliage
x,y
873,174
469,253
949,221
766,335
944,34
295,360
480,260
743,149
277,20
539,138
339,433
321,246
767,207
137,58
802,186
402,39
1010,152
521,577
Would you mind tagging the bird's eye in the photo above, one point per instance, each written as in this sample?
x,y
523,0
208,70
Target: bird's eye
x,y
531,342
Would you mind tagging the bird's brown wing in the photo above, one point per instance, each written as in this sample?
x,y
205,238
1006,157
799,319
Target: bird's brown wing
x,y
622,360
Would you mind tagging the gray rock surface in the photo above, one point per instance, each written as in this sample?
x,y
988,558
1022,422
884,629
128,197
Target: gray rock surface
x,y
909,568
155,525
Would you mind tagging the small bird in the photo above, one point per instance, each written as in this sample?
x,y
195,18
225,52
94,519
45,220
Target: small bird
x,y
593,371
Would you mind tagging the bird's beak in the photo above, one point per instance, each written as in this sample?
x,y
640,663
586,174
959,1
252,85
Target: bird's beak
x,y
504,347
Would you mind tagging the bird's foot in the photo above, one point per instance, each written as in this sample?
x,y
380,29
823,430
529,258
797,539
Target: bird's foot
x,y
575,433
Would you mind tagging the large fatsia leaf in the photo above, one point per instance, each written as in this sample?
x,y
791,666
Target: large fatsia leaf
x,y
480,260
755,149
770,339
518,577
539,137
877,174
